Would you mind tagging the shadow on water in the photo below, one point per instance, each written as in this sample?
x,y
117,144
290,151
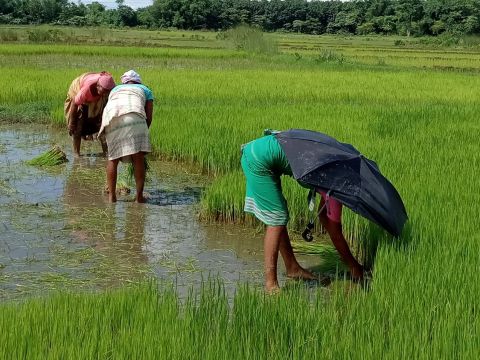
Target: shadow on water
x,y
185,196
59,231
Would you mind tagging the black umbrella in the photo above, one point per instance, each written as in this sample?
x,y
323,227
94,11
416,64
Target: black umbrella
x,y
321,161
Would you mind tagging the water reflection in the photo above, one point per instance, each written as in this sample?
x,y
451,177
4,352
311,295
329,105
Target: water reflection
x,y
115,231
60,231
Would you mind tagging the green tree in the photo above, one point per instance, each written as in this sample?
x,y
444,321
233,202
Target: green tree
x,y
126,16
95,14
145,17
408,12
6,6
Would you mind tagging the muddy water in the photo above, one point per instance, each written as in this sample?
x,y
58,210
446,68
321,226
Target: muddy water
x,y
58,231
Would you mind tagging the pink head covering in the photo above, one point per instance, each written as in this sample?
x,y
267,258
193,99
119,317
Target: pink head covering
x,y
106,81
131,75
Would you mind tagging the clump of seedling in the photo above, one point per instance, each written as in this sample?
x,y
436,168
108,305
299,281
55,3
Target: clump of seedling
x,y
126,178
52,157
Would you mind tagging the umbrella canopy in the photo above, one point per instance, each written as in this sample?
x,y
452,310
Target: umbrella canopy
x,y
321,161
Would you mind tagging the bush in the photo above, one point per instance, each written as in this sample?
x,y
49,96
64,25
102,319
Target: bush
x,y
76,21
248,38
6,19
8,35
330,56
40,35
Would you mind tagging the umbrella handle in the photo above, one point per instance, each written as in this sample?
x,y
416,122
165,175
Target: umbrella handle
x,y
307,233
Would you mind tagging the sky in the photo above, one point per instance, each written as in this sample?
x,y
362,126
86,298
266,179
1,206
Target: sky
x,y
111,4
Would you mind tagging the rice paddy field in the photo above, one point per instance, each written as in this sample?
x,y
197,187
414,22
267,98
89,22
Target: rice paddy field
x,y
411,107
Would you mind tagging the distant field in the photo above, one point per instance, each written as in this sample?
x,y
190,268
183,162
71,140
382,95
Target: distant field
x,y
413,108
371,50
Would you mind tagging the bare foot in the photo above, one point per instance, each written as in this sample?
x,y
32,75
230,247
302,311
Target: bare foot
x,y
112,198
272,288
140,200
301,273
357,272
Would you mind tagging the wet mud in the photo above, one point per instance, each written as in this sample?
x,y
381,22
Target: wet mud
x,y
59,232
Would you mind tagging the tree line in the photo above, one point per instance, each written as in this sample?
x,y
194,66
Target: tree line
x,y
401,17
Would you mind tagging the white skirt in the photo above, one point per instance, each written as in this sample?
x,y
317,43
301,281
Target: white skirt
x,y
127,135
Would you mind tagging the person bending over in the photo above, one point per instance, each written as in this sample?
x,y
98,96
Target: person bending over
x,y
263,163
86,99
126,120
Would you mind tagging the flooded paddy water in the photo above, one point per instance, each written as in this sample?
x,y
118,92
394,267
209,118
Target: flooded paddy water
x,y
59,232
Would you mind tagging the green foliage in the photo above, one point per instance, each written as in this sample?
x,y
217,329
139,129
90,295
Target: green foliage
x,y
28,112
40,35
402,17
8,35
150,321
250,39
327,55
129,175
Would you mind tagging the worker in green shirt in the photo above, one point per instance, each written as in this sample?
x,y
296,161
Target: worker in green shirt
x,y
263,163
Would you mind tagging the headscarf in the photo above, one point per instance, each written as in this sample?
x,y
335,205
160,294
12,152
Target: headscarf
x,y
131,75
106,81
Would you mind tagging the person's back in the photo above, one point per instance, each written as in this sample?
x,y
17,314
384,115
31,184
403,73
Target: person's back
x,y
267,156
86,99
125,122
125,99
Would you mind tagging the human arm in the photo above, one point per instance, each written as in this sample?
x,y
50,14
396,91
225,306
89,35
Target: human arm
x,y
72,115
149,111
335,232
81,97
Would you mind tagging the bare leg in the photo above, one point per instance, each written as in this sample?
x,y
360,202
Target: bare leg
x,y
271,244
103,142
77,132
294,270
334,229
139,172
112,166
77,140
276,239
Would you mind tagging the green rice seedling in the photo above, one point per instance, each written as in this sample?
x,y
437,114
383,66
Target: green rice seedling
x,y
125,323
330,260
126,178
130,172
124,181
52,157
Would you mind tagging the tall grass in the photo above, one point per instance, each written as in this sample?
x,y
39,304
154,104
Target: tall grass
x,y
147,323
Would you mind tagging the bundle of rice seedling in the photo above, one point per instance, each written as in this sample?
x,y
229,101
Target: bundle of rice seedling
x,y
127,177
52,157
331,261
312,248
128,174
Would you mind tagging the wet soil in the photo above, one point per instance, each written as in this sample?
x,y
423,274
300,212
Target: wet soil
x,y
59,232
